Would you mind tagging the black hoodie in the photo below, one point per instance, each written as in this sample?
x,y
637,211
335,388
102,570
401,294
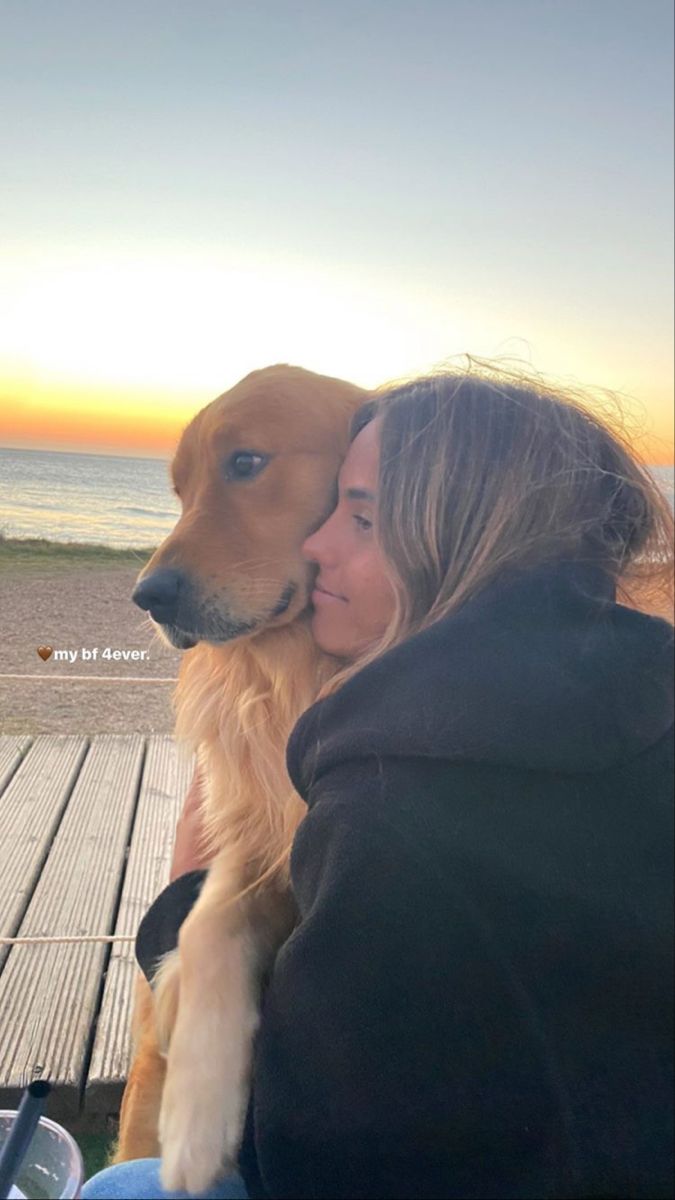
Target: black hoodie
x,y
477,999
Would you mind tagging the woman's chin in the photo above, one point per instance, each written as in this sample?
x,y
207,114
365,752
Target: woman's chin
x,y
328,638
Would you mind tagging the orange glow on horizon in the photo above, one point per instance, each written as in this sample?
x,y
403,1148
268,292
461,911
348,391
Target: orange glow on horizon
x,y
98,433
151,424
104,423
117,350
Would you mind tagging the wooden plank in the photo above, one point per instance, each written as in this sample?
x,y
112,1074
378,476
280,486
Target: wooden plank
x,y
32,806
49,994
13,748
167,775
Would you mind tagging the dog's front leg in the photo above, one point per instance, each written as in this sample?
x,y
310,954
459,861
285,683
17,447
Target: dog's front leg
x,y
142,1099
208,1069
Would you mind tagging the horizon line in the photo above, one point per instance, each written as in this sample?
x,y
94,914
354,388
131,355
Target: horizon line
x,y
165,457
159,457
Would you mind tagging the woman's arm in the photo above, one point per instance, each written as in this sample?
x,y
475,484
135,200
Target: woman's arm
x,y
188,851
391,1059
158,931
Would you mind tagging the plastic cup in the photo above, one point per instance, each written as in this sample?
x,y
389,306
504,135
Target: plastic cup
x,y
52,1169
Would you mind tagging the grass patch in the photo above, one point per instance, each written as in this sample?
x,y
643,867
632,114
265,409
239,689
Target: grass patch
x,y
95,1149
36,552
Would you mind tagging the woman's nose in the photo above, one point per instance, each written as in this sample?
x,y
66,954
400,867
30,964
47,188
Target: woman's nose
x,y
315,546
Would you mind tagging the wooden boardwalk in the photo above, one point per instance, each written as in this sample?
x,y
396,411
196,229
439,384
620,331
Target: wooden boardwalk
x,y
88,826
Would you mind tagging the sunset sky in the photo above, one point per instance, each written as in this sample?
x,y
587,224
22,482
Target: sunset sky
x,y
195,189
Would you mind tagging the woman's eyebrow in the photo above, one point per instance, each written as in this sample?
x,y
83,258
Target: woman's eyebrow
x,y
353,493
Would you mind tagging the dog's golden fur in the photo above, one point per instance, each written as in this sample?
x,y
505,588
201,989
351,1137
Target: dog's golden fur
x,y
238,697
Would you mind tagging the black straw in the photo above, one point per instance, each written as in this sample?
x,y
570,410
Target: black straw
x,y
21,1133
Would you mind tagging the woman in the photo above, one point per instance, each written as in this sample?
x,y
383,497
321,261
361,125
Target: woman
x,y
475,1001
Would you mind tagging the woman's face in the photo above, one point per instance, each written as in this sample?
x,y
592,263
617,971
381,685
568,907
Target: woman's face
x,y
353,599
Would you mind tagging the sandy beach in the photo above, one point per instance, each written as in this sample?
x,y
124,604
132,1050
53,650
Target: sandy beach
x,y
74,603
79,601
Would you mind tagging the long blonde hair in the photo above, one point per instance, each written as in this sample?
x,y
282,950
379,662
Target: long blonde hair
x,y
485,469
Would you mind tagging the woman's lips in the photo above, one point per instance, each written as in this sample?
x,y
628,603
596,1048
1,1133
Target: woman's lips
x,y
321,596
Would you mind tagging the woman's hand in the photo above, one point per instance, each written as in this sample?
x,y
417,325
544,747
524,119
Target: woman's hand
x,y
188,852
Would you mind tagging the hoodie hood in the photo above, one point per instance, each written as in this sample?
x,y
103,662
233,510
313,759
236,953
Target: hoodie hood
x,y
542,670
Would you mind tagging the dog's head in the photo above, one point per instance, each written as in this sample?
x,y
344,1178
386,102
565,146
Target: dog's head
x,y
255,472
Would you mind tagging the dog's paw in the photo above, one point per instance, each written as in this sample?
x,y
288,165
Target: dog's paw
x,y
200,1130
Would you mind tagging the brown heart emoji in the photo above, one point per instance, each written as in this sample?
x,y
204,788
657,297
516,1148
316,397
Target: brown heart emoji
x,y
45,652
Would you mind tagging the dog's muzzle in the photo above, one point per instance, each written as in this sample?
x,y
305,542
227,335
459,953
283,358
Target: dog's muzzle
x,y
169,596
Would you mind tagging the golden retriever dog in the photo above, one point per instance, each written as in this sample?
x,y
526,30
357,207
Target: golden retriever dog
x,y
255,472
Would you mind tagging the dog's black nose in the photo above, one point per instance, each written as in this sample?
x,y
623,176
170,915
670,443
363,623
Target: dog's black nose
x,y
158,594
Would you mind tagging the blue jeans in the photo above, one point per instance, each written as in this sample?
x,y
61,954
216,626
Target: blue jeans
x,y
140,1179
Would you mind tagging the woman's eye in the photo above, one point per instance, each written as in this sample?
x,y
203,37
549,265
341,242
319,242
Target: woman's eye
x,y
363,522
245,464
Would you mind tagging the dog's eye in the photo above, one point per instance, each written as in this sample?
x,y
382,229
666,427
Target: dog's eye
x,y
245,464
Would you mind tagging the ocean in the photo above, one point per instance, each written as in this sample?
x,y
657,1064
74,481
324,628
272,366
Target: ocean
x,y
96,498
101,499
